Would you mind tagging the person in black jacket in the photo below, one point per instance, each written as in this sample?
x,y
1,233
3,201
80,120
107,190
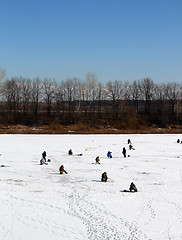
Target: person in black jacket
x,y
124,152
44,155
133,187
131,147
70,152
104,177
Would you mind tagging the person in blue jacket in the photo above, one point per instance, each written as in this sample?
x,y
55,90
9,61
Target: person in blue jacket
x,y
109,155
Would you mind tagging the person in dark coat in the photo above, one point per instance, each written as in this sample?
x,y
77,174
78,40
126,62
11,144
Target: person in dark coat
x,y
42,161
178,141
131,147
61,170
44,155
70,152
124,152
133,187
104,177
129,141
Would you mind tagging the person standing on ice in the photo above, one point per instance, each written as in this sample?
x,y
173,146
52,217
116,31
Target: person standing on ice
x,y
61,170
124,152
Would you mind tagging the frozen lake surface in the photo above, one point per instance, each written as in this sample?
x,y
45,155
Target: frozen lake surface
x,y
36,202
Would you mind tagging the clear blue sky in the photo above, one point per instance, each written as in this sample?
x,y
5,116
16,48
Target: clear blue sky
x,y
115,39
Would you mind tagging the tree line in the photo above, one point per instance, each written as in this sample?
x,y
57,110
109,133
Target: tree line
x,y
122,104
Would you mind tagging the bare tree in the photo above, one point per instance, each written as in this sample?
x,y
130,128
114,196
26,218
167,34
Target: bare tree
x,y
25,93
59,96
115,93
135,93
80,94
91,83
11,92
100,98
172,92
48,87
69,93
147,88
2,74
36,93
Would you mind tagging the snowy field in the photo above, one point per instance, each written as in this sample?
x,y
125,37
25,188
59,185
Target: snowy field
x,y
36,202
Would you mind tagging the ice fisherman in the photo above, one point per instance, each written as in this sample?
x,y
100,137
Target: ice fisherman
x,y
133,188
178,141
131,147
61,170
42,161
129,141
44,155
70,152
124,152
104,177
97,160
109,155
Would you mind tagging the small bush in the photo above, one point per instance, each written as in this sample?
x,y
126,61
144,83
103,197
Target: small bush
x,y
55,126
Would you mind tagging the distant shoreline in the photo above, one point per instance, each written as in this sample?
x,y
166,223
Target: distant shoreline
x,y
22,129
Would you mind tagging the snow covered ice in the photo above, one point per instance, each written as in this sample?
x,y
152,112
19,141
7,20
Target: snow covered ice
x,y
36,202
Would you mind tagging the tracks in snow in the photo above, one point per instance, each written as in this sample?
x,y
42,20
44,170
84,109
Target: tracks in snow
x,y
101,223
33,216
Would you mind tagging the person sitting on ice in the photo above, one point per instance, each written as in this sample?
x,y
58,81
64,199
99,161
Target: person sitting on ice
x,y
178,141
44,155
97,160
70,152
131,147
42,161
133,187
61,170
104,177
109,155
